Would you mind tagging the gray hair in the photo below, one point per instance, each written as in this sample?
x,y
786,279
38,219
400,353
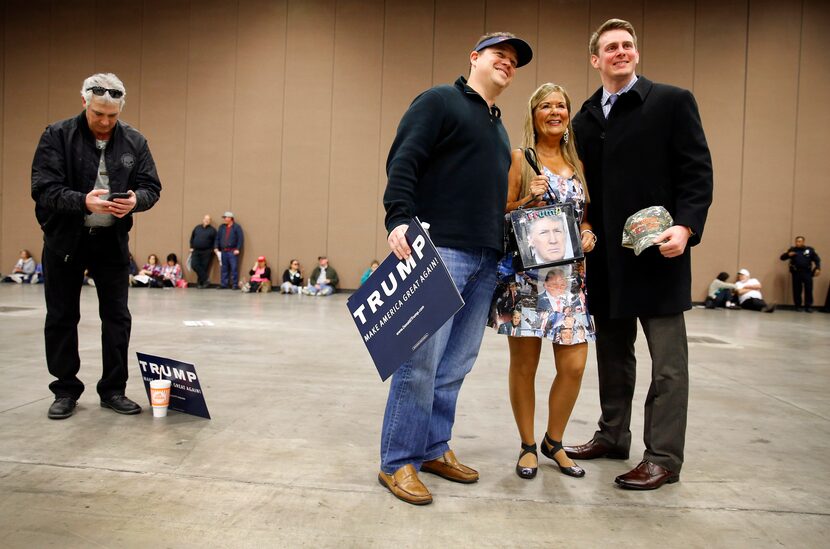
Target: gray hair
x,y
104,80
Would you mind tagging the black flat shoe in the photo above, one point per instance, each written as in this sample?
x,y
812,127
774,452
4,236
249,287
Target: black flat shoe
x,y
527,472
554,446
62,408
121,404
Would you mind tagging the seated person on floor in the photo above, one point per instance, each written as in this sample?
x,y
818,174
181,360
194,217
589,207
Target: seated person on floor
x,y
368,272
323,280
260,280
23,270
133,269
749,293
171,273
292,278
720,292
150,273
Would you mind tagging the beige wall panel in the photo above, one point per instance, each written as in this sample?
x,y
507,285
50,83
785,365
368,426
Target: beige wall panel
x,y
812,161
669,37
408,28
457,27
249,104
118,39
522,19
163,107
719,87
306,151
71,55
601,11
25,116
355,138
118,49
258,118
769,145
561,54
210,117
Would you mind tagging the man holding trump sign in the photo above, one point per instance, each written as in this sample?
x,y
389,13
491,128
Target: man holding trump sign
x,y
448,165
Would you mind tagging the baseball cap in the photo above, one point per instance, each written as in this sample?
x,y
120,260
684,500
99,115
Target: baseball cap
x,y
641,228
261,258
228,214
744,272
524,53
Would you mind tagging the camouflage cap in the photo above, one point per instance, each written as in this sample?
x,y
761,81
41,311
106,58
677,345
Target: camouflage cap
x,y
642,227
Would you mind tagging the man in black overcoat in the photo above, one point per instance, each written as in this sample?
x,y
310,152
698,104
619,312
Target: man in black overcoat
x,y
642,145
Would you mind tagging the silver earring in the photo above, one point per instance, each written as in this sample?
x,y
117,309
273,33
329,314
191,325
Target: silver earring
x,y
566,136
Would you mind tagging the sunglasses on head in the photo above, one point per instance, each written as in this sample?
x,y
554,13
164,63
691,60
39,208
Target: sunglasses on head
x,y
100,90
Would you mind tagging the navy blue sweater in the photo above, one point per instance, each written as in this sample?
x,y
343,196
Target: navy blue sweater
x,y
448,165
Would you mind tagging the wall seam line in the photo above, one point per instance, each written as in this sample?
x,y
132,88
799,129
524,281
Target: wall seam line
x,y
380,179
282,129
331,125
233,110
743,136
795,128
186,105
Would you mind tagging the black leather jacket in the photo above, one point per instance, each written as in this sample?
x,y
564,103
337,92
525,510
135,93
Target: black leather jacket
x,y
64,170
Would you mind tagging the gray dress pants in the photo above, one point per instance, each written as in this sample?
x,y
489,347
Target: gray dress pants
x,y
664,430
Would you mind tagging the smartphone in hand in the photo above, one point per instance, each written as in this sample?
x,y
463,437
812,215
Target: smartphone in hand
x,y
117,195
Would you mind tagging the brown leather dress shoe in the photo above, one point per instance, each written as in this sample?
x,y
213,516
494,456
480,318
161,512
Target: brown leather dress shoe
x,y
406,486
646,476
447,466
594,449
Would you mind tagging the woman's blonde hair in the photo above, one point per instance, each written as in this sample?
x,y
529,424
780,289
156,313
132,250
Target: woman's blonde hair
x,y
529,137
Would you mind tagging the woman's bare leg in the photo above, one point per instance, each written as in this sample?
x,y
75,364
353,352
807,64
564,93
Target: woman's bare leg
x,y
570,365
524,360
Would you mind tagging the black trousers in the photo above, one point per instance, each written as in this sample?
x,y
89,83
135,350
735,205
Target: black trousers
x,y
108,264
754,304
664,431
200,263
803,283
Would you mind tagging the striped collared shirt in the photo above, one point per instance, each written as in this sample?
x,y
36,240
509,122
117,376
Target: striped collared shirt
x,y
606,106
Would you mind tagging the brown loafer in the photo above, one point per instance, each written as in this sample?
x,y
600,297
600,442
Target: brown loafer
x,y
448,467
406,486
646,476
594,449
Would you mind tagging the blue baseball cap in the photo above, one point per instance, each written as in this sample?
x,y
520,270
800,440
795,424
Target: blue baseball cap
x,y
524,53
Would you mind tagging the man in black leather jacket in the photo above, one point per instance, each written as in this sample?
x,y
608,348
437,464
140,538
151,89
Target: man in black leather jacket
x,y
79,163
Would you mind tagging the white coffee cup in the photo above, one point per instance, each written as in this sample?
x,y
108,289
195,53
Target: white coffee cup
x,y
160,396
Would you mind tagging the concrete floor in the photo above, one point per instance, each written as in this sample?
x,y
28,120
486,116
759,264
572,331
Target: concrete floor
x,y
291,456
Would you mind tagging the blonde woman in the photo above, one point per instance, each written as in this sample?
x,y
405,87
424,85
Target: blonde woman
x,y
551,301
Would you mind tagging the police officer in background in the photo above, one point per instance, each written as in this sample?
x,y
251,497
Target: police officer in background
x,y
804,265
90,174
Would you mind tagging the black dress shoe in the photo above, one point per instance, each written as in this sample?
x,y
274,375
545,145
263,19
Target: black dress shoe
x,y
647,476
549,448
121,404
594,449
62,408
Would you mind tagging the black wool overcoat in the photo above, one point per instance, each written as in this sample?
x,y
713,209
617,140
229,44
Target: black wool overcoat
x,y
651,151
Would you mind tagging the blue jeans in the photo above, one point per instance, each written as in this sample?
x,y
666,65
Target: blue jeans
x,y
324,290
230,270
420,410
